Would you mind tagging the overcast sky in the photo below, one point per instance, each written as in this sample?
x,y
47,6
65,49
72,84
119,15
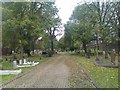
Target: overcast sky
x,y
65,8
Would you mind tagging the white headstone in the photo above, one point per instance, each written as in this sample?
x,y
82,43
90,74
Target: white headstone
x,y
103,55
103,52
12,52
109,56
20,62
33,62
25,61
40,52
28,62
14,64
34,51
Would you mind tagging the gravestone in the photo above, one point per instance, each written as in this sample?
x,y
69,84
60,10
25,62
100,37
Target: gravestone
x,y
103,55
33,62
24,61
15,64
20,62
12,52
36,52
108,64
113,54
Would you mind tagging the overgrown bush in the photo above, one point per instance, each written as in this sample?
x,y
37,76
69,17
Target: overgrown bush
x,y
50,53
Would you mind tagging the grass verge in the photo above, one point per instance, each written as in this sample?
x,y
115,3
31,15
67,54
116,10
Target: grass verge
x,y
8,66
104,77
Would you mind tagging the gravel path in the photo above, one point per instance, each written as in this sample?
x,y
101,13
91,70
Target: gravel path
x,y
61,71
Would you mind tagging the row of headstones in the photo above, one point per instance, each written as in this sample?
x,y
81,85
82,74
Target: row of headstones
x,y
37,52
20,63
110,56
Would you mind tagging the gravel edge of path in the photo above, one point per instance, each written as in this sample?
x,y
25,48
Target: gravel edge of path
x,y
89,76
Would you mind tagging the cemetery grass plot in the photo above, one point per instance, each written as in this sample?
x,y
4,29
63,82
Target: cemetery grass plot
x,y
105,77
112,60
7,65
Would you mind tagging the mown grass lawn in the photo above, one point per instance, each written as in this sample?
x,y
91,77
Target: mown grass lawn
x,y
105,77
7,65
5,78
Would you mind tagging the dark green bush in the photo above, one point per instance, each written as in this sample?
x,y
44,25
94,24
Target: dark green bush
x,y
50,53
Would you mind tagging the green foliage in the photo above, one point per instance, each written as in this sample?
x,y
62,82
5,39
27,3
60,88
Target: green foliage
x,y
61,44
24,22
50,53
79,29
7,65
5,78
92,22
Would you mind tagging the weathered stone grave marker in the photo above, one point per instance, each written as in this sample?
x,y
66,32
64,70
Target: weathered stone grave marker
x,y
15,64
103,55
109,56
113,54
24,61
20,62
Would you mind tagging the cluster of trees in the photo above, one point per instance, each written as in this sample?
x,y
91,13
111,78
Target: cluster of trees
x,y
24,22
93,22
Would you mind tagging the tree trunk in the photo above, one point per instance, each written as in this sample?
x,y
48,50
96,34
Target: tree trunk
x,y
105,49
97,44
85,48
52,44
28,53
21,54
